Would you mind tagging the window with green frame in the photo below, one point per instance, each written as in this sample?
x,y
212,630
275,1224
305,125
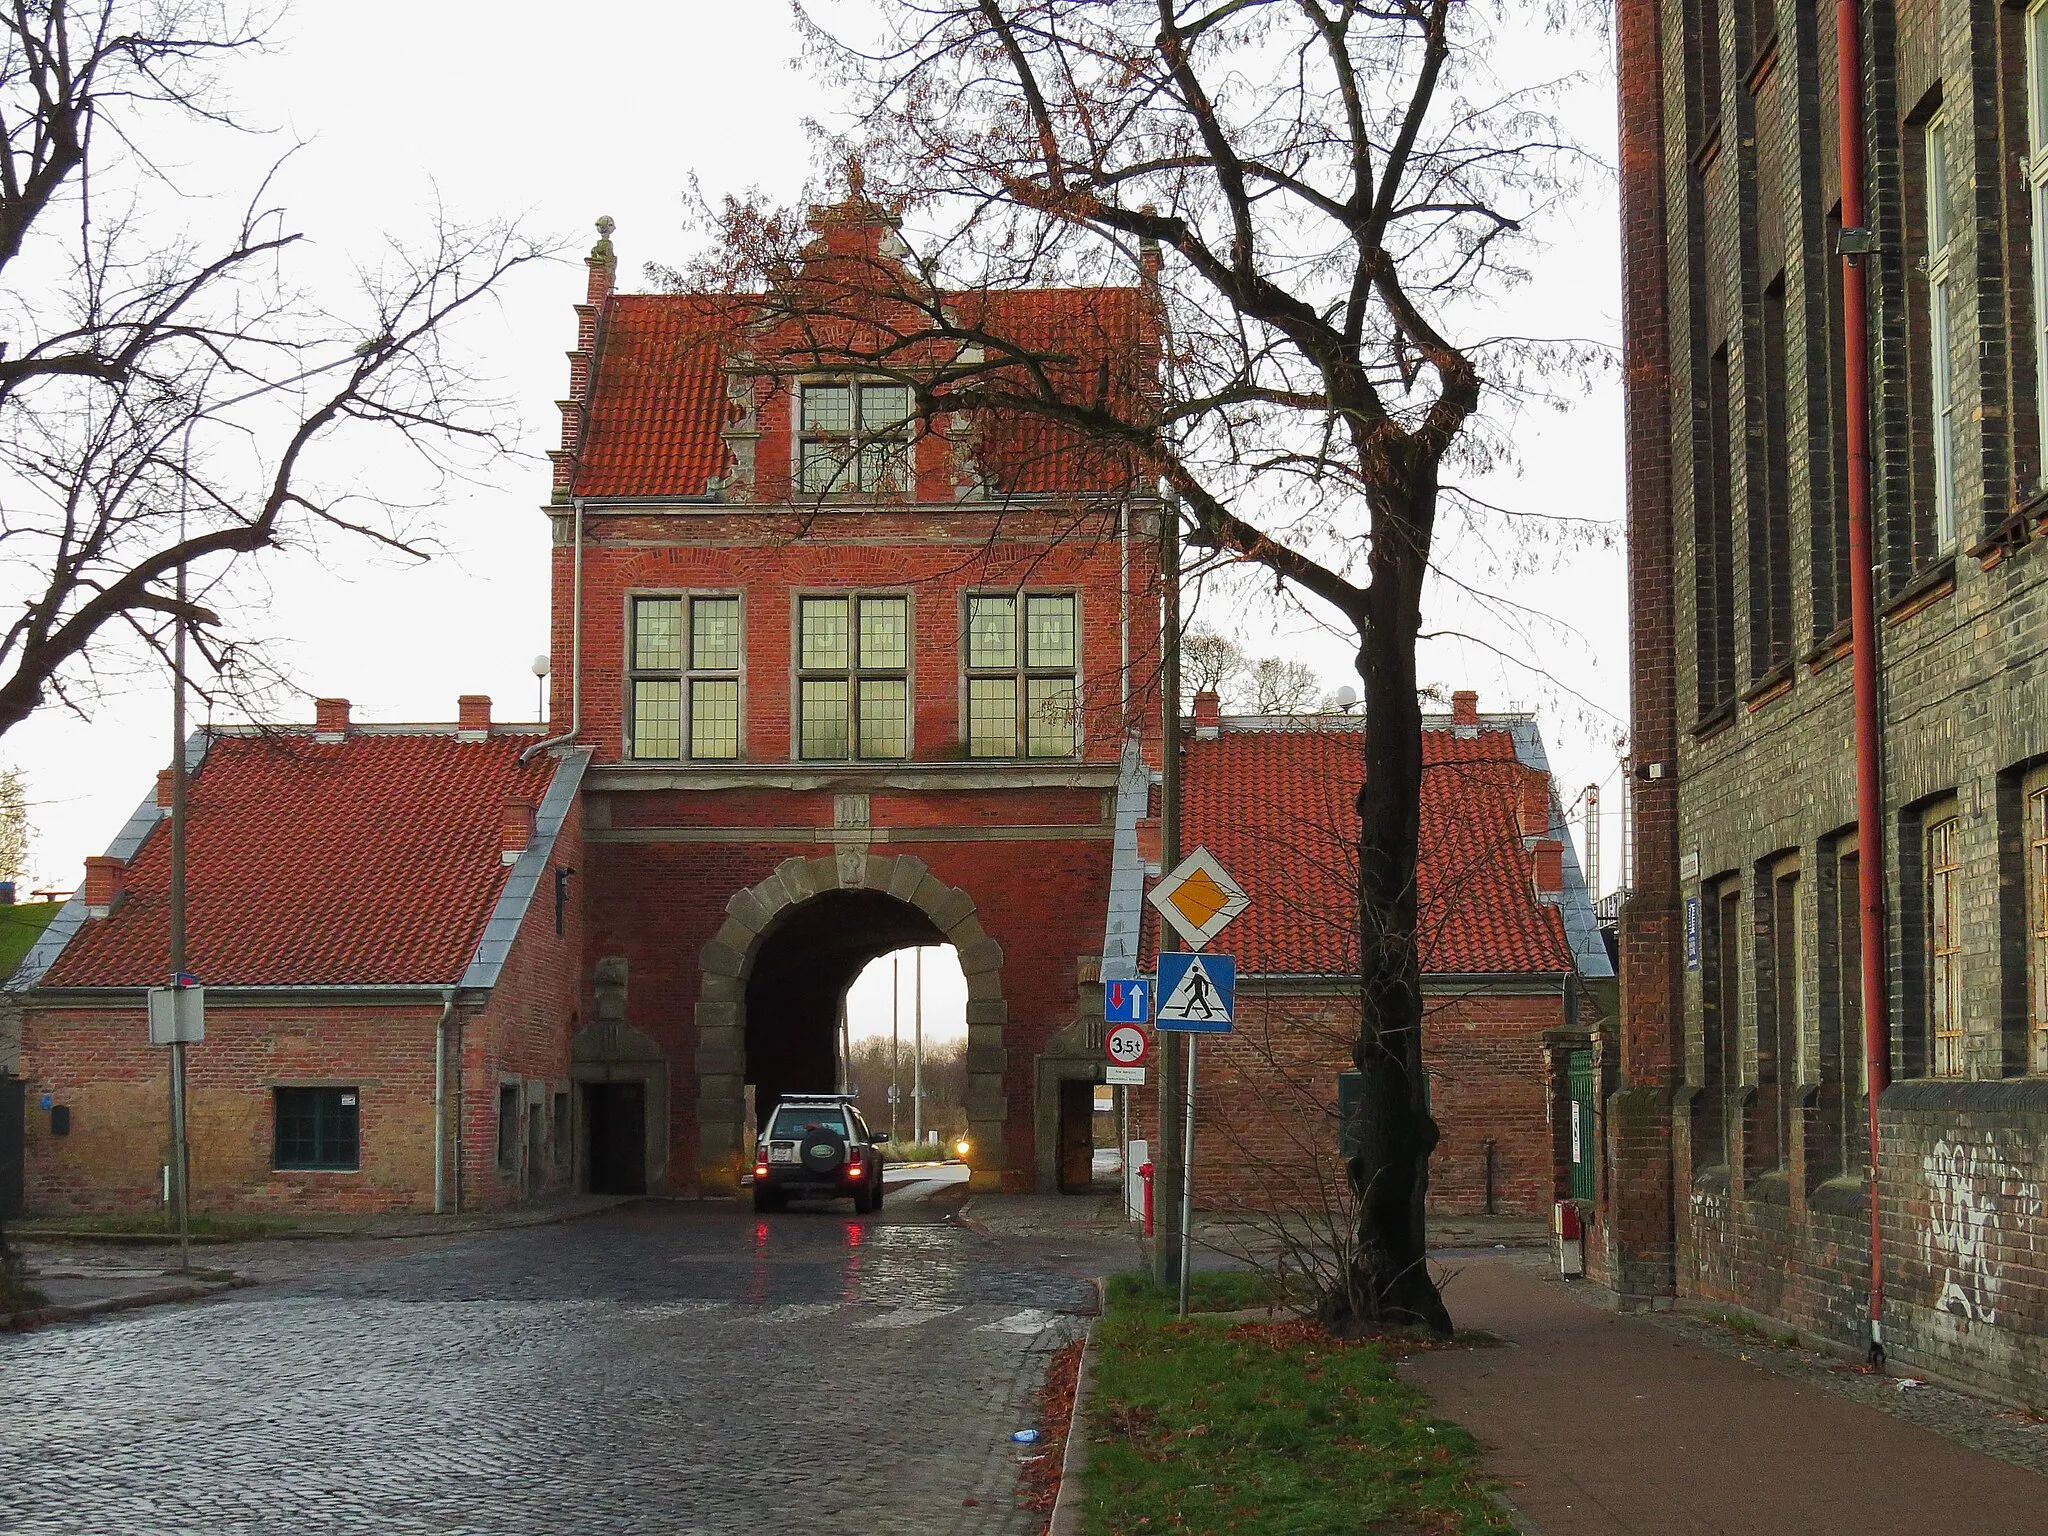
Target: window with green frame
x,y
316,1128
686,677
1022,687
854,438
853,676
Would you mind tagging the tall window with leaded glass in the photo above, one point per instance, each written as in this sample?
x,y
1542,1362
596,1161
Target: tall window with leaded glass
x,y
854,438
1022,666
1940,363
853,676
2035,163
1944,947
2037,927
686,677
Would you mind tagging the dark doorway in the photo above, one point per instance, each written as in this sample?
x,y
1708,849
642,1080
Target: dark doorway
x,y
617,1116
1077,1136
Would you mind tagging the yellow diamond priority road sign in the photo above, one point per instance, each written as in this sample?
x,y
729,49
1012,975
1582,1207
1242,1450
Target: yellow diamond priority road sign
x,y
1199,898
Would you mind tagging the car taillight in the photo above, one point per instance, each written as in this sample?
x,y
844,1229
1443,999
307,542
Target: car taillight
x,y
855,1171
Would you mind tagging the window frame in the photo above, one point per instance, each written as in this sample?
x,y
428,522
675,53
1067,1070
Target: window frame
x,y
510,1147
1939,235
1021,672
853,674
2034,849
855,437
347,1097
2035,170
686,677
1943,943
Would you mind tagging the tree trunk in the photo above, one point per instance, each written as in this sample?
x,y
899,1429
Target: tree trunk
x,y
1389,1169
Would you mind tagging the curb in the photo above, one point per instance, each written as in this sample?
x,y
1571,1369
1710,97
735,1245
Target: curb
x,y
78,1312
511,1220
1066,1505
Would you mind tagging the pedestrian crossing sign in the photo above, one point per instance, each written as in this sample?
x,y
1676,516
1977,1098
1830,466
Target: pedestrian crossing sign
x,y
1197,993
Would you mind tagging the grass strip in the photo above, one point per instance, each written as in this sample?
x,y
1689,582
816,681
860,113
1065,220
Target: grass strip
x,y
1214,1425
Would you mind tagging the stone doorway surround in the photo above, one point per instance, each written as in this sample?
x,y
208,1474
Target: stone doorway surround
x,y
726,962
613,1051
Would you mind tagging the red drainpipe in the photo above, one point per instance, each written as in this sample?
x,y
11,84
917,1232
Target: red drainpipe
x,y
1863,623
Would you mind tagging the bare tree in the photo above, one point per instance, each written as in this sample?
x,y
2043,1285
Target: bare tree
x,y
164,397
15,831
1314,190
1209,662
1279,685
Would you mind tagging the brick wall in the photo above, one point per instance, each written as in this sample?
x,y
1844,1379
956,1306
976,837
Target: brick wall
x,y
1266,1111
96,1060
1769,1212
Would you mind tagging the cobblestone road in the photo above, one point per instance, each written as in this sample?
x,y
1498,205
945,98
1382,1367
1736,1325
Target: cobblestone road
x,y
658,1368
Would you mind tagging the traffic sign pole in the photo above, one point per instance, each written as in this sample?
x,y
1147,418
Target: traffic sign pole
x,y
1187,1178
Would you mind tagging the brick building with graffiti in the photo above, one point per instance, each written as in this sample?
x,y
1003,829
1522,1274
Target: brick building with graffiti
x,y
1841,807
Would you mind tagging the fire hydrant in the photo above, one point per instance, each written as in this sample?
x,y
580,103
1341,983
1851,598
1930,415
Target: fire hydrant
x,y
1145,1173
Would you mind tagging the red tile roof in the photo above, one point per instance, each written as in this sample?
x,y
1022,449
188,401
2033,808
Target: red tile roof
x,y
657,404
1275,807
372,861
659,399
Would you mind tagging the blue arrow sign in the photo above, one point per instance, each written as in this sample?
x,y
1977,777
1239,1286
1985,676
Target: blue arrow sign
x,y
1127,1000
1197,993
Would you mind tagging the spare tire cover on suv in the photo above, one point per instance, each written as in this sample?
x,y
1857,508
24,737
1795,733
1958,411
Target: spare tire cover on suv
x,y
823,1150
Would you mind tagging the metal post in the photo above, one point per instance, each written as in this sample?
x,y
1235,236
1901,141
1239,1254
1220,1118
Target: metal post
x,y
895,1045
1166,1158
181,1154
917,1045
1187,1178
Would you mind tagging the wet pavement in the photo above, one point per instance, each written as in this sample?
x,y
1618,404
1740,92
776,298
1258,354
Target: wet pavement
x,y
661,1367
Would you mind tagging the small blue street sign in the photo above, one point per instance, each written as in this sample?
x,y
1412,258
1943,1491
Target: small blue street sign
x,y
1127,1000
1692,933
1197,993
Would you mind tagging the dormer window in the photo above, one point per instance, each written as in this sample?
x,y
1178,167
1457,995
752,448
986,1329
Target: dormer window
x,y
855,438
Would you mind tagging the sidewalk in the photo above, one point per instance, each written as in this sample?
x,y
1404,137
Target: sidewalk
x,y
1601,1424
76,1291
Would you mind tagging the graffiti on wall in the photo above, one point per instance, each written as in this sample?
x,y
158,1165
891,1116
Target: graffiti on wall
x,y
1974,1197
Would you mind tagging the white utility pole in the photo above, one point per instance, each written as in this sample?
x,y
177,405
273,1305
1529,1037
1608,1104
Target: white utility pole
x,y
1593,841
917,1045
895,1044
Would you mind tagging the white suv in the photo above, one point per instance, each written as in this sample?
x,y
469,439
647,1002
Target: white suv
x,y
818,1146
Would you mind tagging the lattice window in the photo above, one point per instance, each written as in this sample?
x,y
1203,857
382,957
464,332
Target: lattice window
x,y
1944,948
686,677
1023,660
854,438
1940,366
2035,162
2037,928
853,676
316,1128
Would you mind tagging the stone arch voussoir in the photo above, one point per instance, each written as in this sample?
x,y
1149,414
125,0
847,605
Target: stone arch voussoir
x,y
727,960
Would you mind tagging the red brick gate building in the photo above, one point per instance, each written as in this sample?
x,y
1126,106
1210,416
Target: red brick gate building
x,y
829,679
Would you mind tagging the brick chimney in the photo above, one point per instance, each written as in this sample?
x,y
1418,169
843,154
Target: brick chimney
x,y
163,790
330,719
473,717
106,879
1548,871
1532,805
518,828
1465,708
1208,714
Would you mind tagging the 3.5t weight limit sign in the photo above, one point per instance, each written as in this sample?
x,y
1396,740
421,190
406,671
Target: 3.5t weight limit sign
x,y
1127,1045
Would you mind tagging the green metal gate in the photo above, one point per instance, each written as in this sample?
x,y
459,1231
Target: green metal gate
x,y
1581,1078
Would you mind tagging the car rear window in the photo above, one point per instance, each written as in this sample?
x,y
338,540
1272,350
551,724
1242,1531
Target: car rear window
x,y
790,1124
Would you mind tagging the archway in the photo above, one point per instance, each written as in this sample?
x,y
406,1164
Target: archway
x,y
788,950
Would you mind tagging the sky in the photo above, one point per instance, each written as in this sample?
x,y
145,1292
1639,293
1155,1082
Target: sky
x,y
556,115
